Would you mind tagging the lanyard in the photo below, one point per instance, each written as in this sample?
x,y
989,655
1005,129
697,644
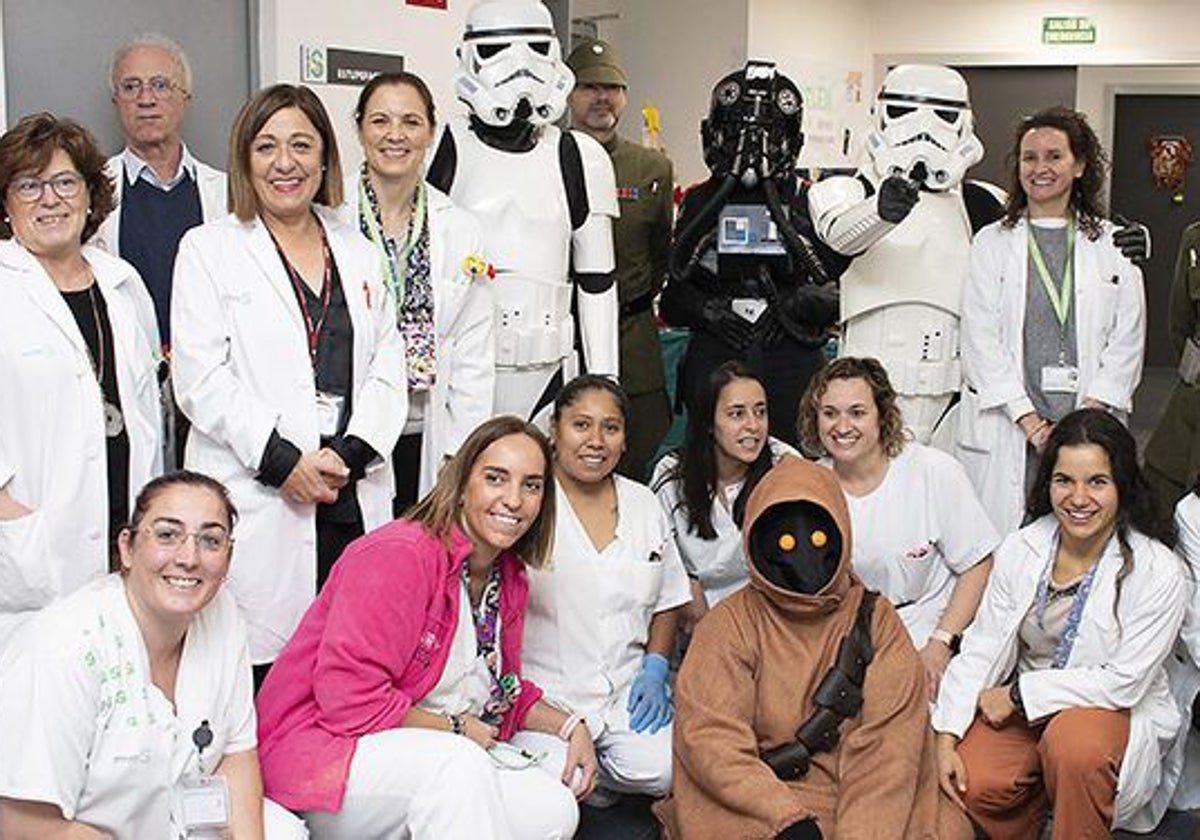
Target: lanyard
x,y
1060,298
395,264
1067,641
313,329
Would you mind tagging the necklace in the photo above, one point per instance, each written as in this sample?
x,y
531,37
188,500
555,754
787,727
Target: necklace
x,y
114,422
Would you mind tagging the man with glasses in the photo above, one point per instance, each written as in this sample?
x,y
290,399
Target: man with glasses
x,y
162,191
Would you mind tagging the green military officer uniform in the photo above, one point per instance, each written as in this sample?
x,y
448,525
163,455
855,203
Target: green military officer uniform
x,y
1173,453
641,242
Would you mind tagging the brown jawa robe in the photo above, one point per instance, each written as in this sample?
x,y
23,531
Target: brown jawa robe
x,y
747,684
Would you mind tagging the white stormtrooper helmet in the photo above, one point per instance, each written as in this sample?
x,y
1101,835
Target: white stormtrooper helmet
x,y
924,129
509,53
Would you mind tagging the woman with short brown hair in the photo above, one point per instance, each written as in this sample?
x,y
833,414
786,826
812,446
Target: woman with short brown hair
x,y
287,362
80,427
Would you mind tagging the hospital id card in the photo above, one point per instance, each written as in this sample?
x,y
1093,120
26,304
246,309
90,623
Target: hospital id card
x,y
1060,379
203,806
329,413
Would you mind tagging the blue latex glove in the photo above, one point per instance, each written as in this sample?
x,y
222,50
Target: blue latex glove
x,y
649,703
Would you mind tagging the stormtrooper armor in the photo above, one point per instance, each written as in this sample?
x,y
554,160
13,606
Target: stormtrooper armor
x,y
901,296
546,203
509,53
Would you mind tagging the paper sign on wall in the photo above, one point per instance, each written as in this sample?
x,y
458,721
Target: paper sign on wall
x,y
335,66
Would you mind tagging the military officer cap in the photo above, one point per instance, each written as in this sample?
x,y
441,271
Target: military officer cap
x,y
595,62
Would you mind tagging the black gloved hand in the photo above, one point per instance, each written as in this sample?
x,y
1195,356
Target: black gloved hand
x,y
725,324
1133,239
805,313
897,197
803,830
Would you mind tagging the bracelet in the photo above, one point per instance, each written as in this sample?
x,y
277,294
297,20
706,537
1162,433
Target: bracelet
x,y
950,640
568,727
457,726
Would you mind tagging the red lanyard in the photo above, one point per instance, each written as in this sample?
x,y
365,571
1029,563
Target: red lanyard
x,y
313,329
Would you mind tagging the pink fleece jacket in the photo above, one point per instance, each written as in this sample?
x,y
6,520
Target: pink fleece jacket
x,y
372,645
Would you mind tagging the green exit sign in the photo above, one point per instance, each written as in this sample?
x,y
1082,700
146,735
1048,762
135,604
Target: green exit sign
x,y
1068,30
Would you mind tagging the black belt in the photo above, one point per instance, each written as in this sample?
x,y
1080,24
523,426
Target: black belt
x,y
638,305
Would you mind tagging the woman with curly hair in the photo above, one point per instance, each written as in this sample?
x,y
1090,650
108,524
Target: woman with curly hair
x,y
1060,698
1053,311
921,537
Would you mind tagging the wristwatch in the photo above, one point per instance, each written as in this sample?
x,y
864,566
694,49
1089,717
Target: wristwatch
x,y
950,640
456,724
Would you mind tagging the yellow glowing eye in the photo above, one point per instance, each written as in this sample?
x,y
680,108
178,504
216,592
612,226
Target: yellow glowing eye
x,y
786,542
818,539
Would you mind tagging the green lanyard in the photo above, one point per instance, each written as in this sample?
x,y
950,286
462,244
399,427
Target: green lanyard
x,y
395,265
1060,298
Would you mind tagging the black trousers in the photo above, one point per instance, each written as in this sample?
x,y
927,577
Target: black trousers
x,y
784,365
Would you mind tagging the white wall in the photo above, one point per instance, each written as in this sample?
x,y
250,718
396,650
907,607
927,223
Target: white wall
x,y
1010,31
674,52
825,48
425,37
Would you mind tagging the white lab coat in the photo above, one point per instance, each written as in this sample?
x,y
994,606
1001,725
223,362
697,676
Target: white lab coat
x,y
589,612
1116,663
461,397
241,369
1183,666
210,184
52,443
1110,311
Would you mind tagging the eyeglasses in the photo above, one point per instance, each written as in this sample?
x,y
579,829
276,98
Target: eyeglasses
x,y
130,89
211,540
66,185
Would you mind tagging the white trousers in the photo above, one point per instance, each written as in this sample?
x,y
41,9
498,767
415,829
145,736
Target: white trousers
x,y
281,824
419,784
629,762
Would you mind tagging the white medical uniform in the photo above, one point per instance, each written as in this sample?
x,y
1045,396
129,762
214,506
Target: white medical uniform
x,y
586,629
1183,666
916,532
719,564
421,783
83,727
52,443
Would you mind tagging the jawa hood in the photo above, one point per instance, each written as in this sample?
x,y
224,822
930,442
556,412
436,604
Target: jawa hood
x,y
796,530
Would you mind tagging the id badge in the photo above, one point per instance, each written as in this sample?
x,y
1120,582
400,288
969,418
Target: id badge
x,y
749,309
203,805
1060,379
329,413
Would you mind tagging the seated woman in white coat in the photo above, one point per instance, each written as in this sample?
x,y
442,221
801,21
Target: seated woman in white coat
x,y
703,486
921,538
1059,698
601,617
1054,316
80,427
126,708
431,253
287,361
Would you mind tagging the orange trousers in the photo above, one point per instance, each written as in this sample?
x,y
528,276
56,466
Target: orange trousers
x,y
1016,772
